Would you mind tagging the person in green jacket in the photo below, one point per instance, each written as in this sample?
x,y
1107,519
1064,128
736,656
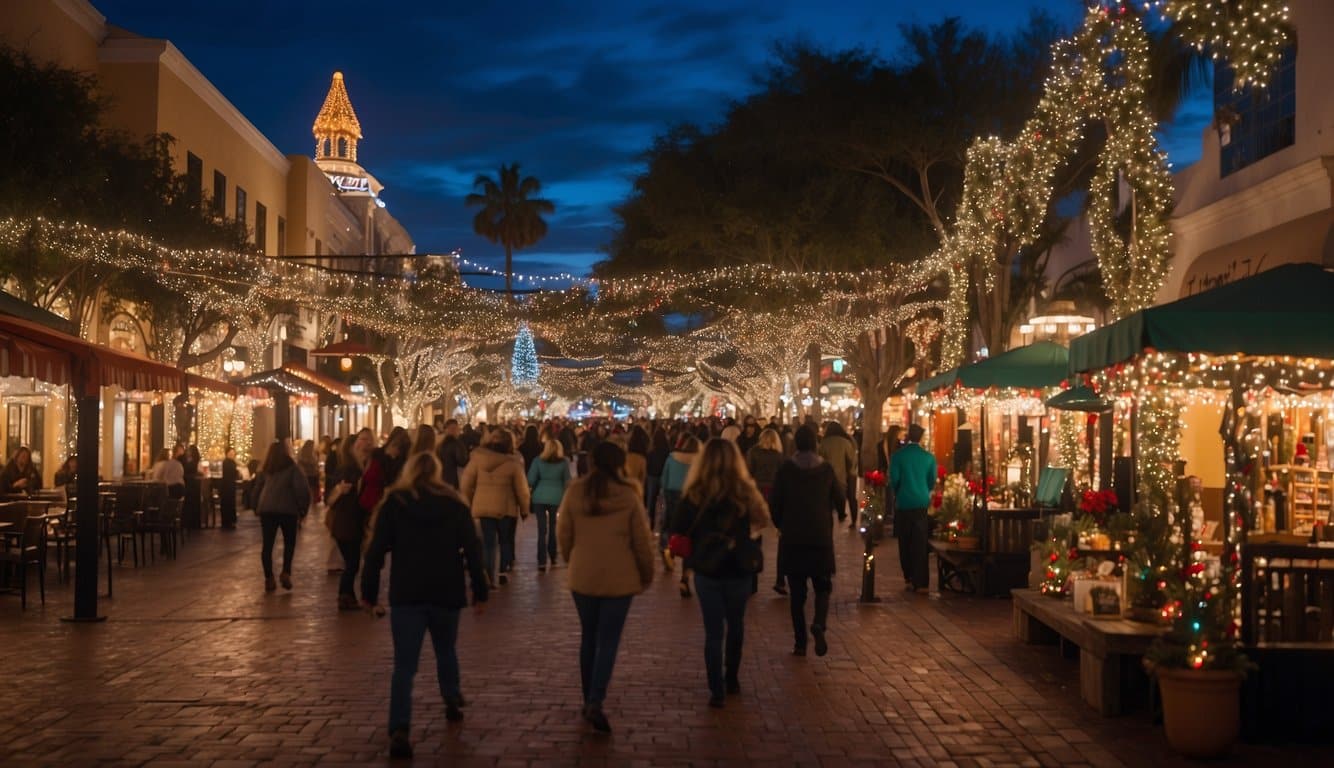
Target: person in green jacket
x,y
548,476
912,474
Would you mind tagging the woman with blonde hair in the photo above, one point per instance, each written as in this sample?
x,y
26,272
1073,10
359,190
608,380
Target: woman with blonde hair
x,y
721,509
427,526
605,538
495,487
548,476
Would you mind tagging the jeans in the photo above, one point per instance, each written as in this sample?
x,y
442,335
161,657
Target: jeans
x,y
601,620
351,551
823,586
546,533
673,500
408,624
651,487
910,525
269,525
491,536
509,528
722,602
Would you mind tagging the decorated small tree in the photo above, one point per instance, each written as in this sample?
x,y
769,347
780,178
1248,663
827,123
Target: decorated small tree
x,y
952,507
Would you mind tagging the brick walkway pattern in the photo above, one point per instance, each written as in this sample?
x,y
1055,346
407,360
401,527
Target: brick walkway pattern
x,y
197,666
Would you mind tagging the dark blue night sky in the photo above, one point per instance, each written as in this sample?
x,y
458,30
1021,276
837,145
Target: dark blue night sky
x,y
574,91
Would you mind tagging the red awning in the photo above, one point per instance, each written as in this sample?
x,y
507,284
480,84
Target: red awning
x,y
300,380
195,381
327,383
85,364
19,357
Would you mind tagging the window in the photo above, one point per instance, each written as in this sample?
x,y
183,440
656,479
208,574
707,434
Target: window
x,y
219,194
342,147
194,178
282,236
319,247
240,206
261,228
1255,122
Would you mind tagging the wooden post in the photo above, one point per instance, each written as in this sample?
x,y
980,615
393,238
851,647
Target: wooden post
x,y
86,513
815,360
282,415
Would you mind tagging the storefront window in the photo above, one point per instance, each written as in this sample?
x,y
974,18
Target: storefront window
x,y
1255,122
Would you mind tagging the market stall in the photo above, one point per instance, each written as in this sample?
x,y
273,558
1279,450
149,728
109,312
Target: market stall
x,y
1222,388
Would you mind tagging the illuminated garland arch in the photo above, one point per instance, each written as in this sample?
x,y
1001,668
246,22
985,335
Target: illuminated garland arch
x,y
1100,74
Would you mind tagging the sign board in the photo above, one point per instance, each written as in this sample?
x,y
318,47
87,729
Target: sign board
x,y
1051,482
1106,602
351,183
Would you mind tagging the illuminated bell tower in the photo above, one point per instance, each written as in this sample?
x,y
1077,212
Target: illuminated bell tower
x,y
337,129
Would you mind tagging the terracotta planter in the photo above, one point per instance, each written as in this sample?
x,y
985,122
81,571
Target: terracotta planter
x,y
1201,710
967,542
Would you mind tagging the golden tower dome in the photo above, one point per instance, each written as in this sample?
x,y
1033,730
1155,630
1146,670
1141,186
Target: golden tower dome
x,y
336,127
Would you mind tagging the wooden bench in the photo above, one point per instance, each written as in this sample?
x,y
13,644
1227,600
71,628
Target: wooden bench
x,y
1109,649
1001,561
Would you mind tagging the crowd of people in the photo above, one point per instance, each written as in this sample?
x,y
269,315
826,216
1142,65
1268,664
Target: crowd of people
x,y
615,501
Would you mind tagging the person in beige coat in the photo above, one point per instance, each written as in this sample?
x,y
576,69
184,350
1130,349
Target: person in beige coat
x,y
496,488
602,528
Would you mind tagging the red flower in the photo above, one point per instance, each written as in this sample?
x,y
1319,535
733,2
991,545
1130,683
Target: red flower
x,y
875,478
937,499
940,472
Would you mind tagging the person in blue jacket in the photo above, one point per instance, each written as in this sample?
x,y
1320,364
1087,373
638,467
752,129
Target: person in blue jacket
x,y
548,476
912,473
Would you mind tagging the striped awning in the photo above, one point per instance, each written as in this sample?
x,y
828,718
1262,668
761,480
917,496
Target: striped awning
x,y
19,357
213,385
59,358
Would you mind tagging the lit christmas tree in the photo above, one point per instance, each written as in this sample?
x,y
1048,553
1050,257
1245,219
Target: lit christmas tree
x,y
523,365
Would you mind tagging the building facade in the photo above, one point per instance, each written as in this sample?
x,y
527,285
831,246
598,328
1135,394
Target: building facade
x,y
1260,194
324,209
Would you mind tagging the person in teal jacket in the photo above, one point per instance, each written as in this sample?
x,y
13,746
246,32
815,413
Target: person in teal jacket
x,y
548,476
912,474
674,472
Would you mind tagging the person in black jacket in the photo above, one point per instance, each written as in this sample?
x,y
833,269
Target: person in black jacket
x,y
452,453
227,489
283,497
720,503
804,500
430,531
657,456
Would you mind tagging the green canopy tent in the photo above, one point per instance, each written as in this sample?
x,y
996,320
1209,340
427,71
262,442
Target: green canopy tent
x,y
1283,312
940,381
1079,399
1288,310
1037,365
1085,400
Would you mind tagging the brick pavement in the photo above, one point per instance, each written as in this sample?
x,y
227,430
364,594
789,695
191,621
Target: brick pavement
x,y
198,666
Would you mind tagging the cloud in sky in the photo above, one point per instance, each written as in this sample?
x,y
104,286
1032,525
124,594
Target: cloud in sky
x,y
573,91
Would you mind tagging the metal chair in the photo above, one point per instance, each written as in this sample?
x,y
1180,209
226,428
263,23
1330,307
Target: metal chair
x,y
30,552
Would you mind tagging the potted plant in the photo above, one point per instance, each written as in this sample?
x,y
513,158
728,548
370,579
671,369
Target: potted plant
x,y
951,508
1198,662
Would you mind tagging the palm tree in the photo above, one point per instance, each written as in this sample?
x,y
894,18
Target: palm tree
x,y
511,213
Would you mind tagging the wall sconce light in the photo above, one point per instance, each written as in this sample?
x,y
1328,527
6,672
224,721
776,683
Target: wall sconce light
x,y
345,364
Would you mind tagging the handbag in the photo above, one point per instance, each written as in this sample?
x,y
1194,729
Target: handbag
x,y
680,544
